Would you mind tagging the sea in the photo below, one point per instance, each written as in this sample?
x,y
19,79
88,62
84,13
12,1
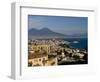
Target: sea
x,y
82,42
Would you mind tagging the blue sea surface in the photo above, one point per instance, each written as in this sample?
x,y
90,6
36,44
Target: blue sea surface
x,y
82,42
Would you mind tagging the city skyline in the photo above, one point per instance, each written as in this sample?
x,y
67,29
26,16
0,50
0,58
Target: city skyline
x,y
61,24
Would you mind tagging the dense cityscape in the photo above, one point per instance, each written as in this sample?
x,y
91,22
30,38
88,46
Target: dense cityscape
x,y
51,52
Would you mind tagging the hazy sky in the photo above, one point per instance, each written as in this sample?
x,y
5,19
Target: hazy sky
x,y
60,24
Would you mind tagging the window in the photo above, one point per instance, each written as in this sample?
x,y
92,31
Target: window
x,y
39,59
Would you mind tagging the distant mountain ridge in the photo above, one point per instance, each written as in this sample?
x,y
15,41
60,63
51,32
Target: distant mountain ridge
x,y
43,33
46,33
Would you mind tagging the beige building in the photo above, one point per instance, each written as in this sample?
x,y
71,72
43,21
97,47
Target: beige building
x,y
41,60
38,56
41,48
38,59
